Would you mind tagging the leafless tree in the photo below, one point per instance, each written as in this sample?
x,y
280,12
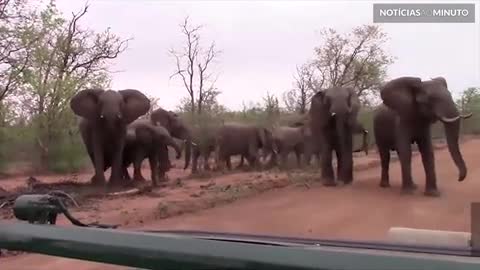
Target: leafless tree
x,y
193,64
305,86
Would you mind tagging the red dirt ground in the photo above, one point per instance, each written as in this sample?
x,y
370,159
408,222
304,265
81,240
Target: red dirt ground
x,y
297,207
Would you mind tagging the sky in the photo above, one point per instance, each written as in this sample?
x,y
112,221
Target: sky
x,y
262,42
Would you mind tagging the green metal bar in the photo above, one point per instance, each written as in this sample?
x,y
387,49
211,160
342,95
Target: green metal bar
x,y
162,251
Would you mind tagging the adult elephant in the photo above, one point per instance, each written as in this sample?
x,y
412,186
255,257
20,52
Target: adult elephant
x,y
178,129
105,116
240,139
333,113
145,140
410,107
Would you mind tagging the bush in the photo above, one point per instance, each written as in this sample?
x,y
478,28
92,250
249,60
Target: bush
x,y
20,144
68,155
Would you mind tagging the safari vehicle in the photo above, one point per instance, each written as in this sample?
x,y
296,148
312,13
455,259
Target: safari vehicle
x,y
209,250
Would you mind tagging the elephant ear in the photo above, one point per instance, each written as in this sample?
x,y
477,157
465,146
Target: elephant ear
x,y
402,95
352,100
318,97
441,80
174,114
85,103
136,104
160,133
319,110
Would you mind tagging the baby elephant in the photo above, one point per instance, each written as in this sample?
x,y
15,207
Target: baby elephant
x,y
144,140
287,139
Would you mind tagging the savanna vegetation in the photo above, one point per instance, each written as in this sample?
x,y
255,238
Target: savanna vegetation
x,y
47,56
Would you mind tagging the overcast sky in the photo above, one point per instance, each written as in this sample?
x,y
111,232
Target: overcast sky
x,y
262,42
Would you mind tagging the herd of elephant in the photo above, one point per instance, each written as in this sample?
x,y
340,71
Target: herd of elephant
x,y
116,133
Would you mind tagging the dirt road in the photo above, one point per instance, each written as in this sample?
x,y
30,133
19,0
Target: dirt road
x,y
360,211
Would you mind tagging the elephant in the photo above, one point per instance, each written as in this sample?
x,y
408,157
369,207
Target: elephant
x,y
333,114
145,140
287,139
312,148
203,148
104,116
240,139
268,151
410,107
178,129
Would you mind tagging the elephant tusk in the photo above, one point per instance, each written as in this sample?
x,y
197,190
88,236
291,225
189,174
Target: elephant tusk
x,y
333,114
449,120
466,116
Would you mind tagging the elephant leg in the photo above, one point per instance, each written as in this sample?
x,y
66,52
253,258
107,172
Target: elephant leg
x,y
384,153
240,165
137,165
298,154
218,158
169,164
228,161
284,159
327,167
319,160
153,161
426,151
117,161
91,154
195,155
253,155
99,163
163,163
340,169
347,159
223,163
272,161
253,162
125,173
307,156
206,157
404,150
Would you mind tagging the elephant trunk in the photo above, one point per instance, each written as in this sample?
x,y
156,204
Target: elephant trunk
x,y
452,130
174,145
343,143
188,149
365,141
451,118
